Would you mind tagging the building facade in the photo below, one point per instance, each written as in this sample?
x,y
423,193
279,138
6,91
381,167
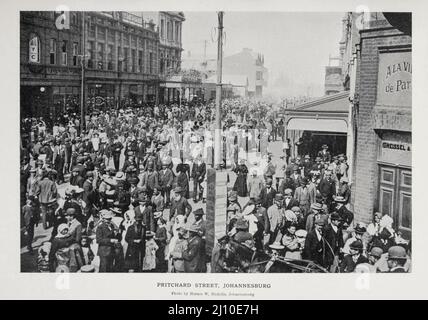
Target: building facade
x,y
382,169
126,58
50,67
250,64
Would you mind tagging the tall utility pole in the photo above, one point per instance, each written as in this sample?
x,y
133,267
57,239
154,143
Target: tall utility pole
x,y
218,140
82,89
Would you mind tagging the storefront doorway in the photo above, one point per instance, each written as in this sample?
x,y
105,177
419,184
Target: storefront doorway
x,y
395,196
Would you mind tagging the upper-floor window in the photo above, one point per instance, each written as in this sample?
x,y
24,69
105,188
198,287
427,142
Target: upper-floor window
x,y
177,31
162,30
75,53
52,51
168,30
34,49
64,53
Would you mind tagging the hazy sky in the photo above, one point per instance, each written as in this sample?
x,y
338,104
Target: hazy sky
x,y
296,45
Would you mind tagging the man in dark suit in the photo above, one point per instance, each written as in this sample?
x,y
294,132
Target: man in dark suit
x,y
179,205
324,154
146,211
350,261
287,183
166,178
194,255
198,174
76,179
87,145
141,151
315,244
296,176
267,194
334,237
327,188
346,216
106,237
116,151
88,193
289,201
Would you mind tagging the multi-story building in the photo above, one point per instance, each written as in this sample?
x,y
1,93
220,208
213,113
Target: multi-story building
x,y
125,57
250,64
383,152
50,62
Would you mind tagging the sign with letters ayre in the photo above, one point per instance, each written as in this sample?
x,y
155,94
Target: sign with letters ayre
x,y
395,79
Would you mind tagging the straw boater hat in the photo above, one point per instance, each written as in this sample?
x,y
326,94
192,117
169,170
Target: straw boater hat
x,y
276,246
339,199
248,210
397,253
316,206
158,214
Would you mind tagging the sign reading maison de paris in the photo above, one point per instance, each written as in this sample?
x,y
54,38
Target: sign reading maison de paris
x,y
395,79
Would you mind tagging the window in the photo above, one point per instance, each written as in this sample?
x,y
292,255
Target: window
x,y
73,18
133,57
140,61
119,59
91,54
259,75
125,61
162,29
75,53
101,33
168,30
34,49
387,176
405,210
151,63
64,53
100,56
177,31
92,30
110,57
110,35
52,51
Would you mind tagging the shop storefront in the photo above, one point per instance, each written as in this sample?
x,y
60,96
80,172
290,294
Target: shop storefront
x,y
318,122
383,154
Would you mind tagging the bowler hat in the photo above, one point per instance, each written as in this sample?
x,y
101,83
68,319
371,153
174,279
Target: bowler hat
x,y
133,180
89,174
397,252
199,212
70,212
376,252
335,216
295,209
279,197
316,206
356,245
324,146
360,229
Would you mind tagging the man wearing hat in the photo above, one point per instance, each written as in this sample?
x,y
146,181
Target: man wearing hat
x,y
287,183
47,193
179,205
315,244
146,212
136,239
357,234
334,237
194,254
289,201
116,148
303,196
268,194
296,176
166,178
276,214
80,167
307,165
324,154
354,258
270,169
316,213
397,258
375,255
327,188
199,223
254,184
346,215
107,238
198,174
344,190
242,235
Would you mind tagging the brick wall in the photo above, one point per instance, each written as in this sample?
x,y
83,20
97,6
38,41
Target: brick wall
x,y
365,189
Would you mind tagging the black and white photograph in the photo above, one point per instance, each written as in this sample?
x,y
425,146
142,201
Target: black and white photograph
x,y
215,142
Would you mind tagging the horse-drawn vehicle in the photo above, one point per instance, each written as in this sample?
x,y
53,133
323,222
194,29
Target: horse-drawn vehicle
x,y
232,256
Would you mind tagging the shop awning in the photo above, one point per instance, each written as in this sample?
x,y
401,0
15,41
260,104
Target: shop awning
x,y
325,125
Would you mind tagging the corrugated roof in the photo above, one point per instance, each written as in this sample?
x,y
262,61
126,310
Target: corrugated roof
x,y
338,102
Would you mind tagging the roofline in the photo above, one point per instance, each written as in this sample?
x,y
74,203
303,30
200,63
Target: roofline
x,y
325,99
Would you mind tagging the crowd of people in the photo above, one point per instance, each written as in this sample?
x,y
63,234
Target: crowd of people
x,y
299,209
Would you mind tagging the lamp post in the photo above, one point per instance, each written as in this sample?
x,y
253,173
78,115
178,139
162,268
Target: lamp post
x,y
218,138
